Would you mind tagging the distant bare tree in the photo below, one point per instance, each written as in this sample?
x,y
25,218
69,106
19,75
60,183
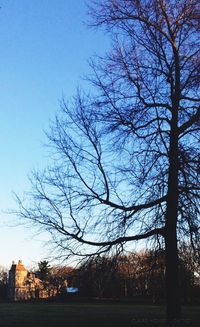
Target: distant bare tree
x,y
189,271
126,159
98,277
60,277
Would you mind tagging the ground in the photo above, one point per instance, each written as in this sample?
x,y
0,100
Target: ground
x,y
98,315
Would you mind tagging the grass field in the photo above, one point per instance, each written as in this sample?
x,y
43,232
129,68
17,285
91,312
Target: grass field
x,y
97,315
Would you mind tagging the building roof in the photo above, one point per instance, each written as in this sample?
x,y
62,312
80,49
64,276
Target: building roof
x,y
18,267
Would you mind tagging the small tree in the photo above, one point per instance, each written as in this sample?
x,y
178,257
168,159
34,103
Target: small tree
x,y
3,283
127,158
44,270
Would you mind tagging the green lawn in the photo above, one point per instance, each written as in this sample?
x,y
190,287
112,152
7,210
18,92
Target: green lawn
x,y
77,315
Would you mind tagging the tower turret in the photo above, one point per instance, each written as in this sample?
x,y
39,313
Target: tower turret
x,y
17,288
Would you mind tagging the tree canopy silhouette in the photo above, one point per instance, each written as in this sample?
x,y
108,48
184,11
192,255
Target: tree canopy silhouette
x,y
126,156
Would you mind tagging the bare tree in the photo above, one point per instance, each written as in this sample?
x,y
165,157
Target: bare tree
x,y
126,160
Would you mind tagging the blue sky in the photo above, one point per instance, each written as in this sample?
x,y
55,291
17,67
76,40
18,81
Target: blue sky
x,y
45,46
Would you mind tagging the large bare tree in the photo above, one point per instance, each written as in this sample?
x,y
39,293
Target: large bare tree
x,y
126,158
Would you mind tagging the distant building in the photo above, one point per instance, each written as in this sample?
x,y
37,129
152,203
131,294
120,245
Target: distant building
x,y
23,285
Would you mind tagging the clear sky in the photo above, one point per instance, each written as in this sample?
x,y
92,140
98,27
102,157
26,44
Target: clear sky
x,y
45,46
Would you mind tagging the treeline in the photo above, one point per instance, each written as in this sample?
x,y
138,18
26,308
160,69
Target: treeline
x,y
138,276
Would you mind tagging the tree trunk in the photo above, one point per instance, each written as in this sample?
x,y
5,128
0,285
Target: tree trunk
x,y
172,280
172,276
